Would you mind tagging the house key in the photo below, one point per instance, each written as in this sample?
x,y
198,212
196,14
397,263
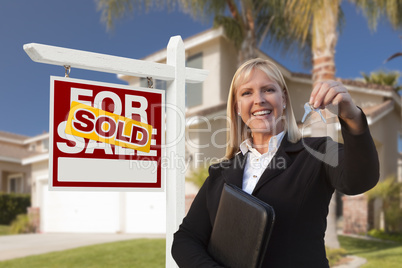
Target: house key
x,y
308,108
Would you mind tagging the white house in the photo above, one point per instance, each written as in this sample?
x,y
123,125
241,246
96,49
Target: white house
x,y
24,160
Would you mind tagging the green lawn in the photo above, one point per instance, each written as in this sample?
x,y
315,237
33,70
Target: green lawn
x,y
5,229
378,254
132,253
149,253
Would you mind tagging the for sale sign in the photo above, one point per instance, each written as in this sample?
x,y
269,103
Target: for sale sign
x,y
105,136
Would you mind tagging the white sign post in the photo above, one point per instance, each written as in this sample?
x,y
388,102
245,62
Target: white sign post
x,y
176,74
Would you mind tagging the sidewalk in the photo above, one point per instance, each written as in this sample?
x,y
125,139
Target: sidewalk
x,y
17,246
351,262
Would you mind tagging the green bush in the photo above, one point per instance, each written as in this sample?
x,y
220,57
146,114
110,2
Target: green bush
x,y
22,225
198,176
389,191
11,205
5,229
381,234
334,255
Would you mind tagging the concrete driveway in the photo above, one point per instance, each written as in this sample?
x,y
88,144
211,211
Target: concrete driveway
x,y
17,246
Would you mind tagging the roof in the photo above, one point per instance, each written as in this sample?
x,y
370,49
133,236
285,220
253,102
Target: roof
x,y
15,154
13,148
376,112
358,83
12,137
21,139
351,82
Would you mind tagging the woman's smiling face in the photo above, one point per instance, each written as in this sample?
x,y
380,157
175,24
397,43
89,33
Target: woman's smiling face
x,y
260,103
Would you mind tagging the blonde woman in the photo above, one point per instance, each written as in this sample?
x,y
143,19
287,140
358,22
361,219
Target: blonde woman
x,y
267,157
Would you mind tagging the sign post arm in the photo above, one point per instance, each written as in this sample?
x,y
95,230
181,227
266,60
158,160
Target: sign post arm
x,y
107,63
175,143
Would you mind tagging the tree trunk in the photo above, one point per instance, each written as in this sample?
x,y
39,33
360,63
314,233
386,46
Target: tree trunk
x,y
248,48
331,236
324,40
323,49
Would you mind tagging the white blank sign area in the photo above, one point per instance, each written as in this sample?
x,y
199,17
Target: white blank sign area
x,y
106,170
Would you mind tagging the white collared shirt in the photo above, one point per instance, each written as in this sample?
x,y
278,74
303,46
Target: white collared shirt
x,y
256,162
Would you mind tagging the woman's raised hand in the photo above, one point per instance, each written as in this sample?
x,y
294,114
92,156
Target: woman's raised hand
x,y
334,96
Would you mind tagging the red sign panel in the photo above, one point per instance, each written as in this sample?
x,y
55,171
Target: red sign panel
x,y
97,131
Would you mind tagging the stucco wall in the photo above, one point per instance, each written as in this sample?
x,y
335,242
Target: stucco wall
x,y
40,174
228,67
8,168
384,132
299,94
363,99
206,141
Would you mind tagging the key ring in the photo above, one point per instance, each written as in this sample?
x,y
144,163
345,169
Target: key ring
x,y
308,108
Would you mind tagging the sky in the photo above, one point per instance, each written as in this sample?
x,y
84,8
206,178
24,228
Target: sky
x,y
76,24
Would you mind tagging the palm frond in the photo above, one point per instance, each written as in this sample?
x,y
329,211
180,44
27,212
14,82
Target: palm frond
x,y
112,10
274,30
393,56
375,9
203,9
381,77
233,30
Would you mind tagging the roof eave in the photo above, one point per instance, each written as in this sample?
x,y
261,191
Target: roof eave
x,y
35,159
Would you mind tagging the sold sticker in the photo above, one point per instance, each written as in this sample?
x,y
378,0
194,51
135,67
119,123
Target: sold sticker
x,y
96,124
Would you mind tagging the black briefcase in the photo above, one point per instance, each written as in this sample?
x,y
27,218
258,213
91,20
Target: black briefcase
x,y
241,230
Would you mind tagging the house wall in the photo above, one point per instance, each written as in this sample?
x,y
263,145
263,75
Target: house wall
x,y
40,174
364,99
206,140
213,56
385,132
8,168
299,94
395,123
228,67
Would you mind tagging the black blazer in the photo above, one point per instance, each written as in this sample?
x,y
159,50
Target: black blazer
x,y
298,183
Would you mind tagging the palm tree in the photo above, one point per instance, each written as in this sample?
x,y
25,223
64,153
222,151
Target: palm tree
x,y
395,55
383,78
319,20
247,23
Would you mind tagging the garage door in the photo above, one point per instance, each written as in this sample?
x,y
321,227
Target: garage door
x,y
92,212
102,212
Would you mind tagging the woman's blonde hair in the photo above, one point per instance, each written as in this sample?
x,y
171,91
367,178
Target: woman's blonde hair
x,y
239,131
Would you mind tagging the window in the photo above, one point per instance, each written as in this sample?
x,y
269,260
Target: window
x,y
15,183
194,91
45,145
143,82
32,147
